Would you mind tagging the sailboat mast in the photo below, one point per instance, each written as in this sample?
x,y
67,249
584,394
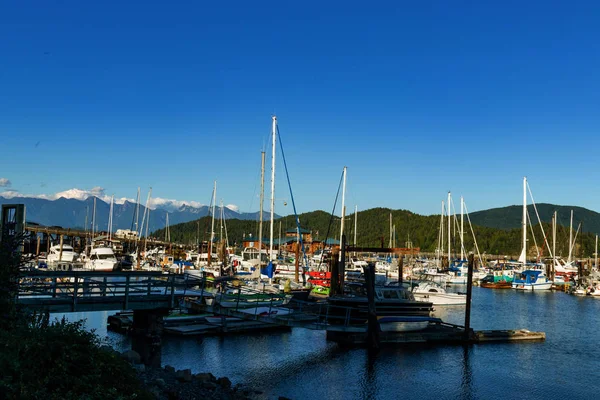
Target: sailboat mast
x,y
137,210
167,229
212,226
343,213
449,227
441,236
262,200
355,221
554,242
221,229
462,232
524,221
570,238
390,245
596,252
274,134
110,217
94,219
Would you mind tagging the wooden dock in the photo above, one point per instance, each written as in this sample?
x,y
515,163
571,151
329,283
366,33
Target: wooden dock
x,y
438,334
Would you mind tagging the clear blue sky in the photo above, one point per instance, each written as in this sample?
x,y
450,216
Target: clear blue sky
x,y
416,98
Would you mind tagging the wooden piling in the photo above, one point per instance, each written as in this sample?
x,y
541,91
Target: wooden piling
x,y
400,269
469,292
373,325
334,286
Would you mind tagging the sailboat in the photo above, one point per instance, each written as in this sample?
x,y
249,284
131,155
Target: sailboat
x,y
530,278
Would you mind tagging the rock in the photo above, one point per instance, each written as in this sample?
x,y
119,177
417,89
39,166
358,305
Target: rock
x,y
108,349
132,356
160,383
139,367
184,375
170,369
209,385
205,377
224,382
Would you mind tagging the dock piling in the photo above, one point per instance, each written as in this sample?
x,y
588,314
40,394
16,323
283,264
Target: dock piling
x,y
469,292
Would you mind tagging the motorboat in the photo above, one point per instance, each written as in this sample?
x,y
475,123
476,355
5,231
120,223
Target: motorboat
x,y
101,259
437,295
66,254
531,279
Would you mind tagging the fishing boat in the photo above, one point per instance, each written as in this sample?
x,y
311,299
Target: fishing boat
x,y
437,295
493,282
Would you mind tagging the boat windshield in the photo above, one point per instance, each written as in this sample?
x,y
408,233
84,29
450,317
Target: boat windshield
x,y
106,257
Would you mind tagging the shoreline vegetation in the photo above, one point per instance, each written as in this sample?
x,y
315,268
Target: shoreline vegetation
x,y
59,359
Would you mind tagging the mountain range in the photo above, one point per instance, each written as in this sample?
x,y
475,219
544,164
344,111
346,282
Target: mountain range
x,y
73,213
372,224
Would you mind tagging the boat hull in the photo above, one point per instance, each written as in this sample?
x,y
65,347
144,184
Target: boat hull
x,y
403,324
496,285
442,299
532,286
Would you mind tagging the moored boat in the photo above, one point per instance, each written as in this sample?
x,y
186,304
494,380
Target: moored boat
x,y
531,280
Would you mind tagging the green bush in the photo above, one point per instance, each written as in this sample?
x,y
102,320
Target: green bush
x,y
62,360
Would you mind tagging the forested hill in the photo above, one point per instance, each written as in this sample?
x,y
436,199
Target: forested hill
x,y
372,229
510,217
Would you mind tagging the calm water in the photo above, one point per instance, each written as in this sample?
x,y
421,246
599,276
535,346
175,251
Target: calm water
x,y
301,364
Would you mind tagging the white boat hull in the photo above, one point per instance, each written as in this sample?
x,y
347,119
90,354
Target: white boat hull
x,y
532,286
442,299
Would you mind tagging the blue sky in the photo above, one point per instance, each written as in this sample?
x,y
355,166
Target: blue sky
x,y
415,98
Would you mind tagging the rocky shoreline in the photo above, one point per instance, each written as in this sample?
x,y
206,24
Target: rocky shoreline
x,y
168,383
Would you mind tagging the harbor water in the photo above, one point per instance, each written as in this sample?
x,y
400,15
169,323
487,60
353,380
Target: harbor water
x,y
301,364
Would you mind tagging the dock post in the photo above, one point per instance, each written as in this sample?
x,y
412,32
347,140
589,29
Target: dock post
x,y
146,331
400,270
469,292
335,272
373,325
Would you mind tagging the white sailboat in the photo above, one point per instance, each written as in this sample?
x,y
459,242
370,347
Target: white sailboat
x,y
529,278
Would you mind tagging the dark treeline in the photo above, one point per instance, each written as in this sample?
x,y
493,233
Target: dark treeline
x,y
373,229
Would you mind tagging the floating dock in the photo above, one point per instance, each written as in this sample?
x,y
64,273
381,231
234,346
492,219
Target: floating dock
x,y
439,333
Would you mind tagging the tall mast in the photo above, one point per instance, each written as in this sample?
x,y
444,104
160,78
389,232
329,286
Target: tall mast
x,y
221,219
523,257
355,221
262,200
462,232
274,134
570,238
167,233
596,253
449,226
343,213
212,226
441,244
553,242
110,217
137,209
390,245
94,219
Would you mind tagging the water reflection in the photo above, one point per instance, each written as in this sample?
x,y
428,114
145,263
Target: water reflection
x,y
369,381
467,375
